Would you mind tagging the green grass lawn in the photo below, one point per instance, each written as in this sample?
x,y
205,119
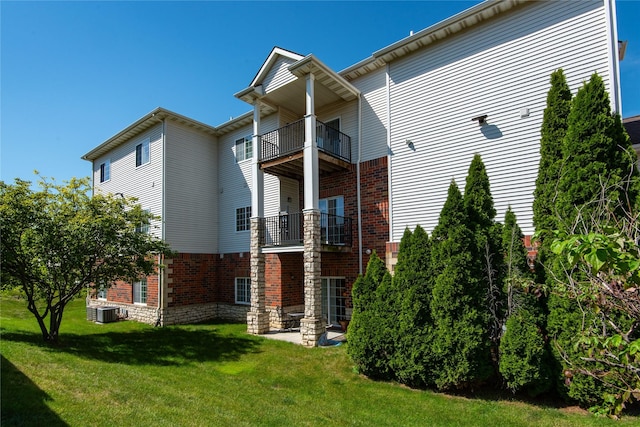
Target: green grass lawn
x,y
130,374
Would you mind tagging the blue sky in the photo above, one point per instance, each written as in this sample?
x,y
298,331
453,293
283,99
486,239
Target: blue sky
x,y
75,73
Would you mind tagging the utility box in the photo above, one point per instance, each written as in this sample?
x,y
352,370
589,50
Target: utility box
x,y
92,312
107,314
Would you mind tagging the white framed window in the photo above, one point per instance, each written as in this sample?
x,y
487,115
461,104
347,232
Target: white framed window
x,y
243,290
243,219
244,148
332,227
140,292
143,227
105,171
102,292
142,153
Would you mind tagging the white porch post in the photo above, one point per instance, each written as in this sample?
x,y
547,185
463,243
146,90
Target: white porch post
x,y
257,317
312,325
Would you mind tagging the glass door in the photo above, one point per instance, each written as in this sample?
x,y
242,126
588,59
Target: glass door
x,y
334,300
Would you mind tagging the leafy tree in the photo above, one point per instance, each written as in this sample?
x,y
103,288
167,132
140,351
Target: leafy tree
x,y
413,281
488,263
369,335
524,359
58,240
460,343
603,281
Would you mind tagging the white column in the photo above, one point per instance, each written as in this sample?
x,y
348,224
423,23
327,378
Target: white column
x,y
311,171
257,176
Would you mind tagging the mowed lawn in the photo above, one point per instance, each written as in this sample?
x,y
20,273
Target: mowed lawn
x,y
130,374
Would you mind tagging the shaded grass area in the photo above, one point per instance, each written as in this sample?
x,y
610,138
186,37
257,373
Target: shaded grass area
x,y
127,373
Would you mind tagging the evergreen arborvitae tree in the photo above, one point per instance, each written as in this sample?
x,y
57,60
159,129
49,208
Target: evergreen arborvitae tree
x,y
524,359
460,344
368,333
597,159
598,164
487,265
552,133
413,281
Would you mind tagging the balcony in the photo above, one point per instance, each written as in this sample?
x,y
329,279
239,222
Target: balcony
x,y
282,150
287,229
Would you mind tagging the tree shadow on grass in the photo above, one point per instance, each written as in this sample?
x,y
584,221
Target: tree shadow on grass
x,y
169,346
23,402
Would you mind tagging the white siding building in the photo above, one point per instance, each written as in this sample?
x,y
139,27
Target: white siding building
x,y
278,210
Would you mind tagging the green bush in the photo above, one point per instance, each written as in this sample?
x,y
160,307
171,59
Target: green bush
x,y
460,344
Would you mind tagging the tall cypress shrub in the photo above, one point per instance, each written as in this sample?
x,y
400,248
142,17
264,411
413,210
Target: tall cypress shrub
x,y
413,281
460,345
552,133
597,159
597,165
366,336
524,358
487,265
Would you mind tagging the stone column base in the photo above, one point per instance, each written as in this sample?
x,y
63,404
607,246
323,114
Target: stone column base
x,y
311,331
257,323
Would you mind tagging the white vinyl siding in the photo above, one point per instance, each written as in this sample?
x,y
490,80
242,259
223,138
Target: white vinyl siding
x,y
374,96
348,115
497,69
234,188
192,189
279,74
143,183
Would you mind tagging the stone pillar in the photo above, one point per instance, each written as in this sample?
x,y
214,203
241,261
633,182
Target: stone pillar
x,y
257,317
312,326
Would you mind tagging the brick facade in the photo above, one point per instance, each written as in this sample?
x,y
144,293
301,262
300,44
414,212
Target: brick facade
x,y
202,286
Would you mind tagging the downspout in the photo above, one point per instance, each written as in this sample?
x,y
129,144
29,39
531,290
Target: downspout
x,y
358,186
162,233
614,62
389,158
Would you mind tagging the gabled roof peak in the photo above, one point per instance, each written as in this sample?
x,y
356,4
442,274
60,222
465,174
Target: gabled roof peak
x,y
271,58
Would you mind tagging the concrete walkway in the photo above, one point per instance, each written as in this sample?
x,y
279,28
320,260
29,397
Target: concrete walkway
x,y
294,336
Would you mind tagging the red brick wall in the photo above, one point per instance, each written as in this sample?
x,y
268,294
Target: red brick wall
x,y
206,278
284,276
229,267
123,292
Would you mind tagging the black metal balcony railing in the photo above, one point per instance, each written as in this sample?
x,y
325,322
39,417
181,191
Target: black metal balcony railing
x,y
282,142
333,142
335,230
282,230
288,230
290,139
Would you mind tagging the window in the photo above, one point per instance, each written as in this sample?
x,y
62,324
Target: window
x,y
140,292
144,226
105,171
142,153
243,290
332,220
102,291
244,148
243,219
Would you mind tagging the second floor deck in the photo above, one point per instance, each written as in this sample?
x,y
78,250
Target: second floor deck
x,y
282,150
